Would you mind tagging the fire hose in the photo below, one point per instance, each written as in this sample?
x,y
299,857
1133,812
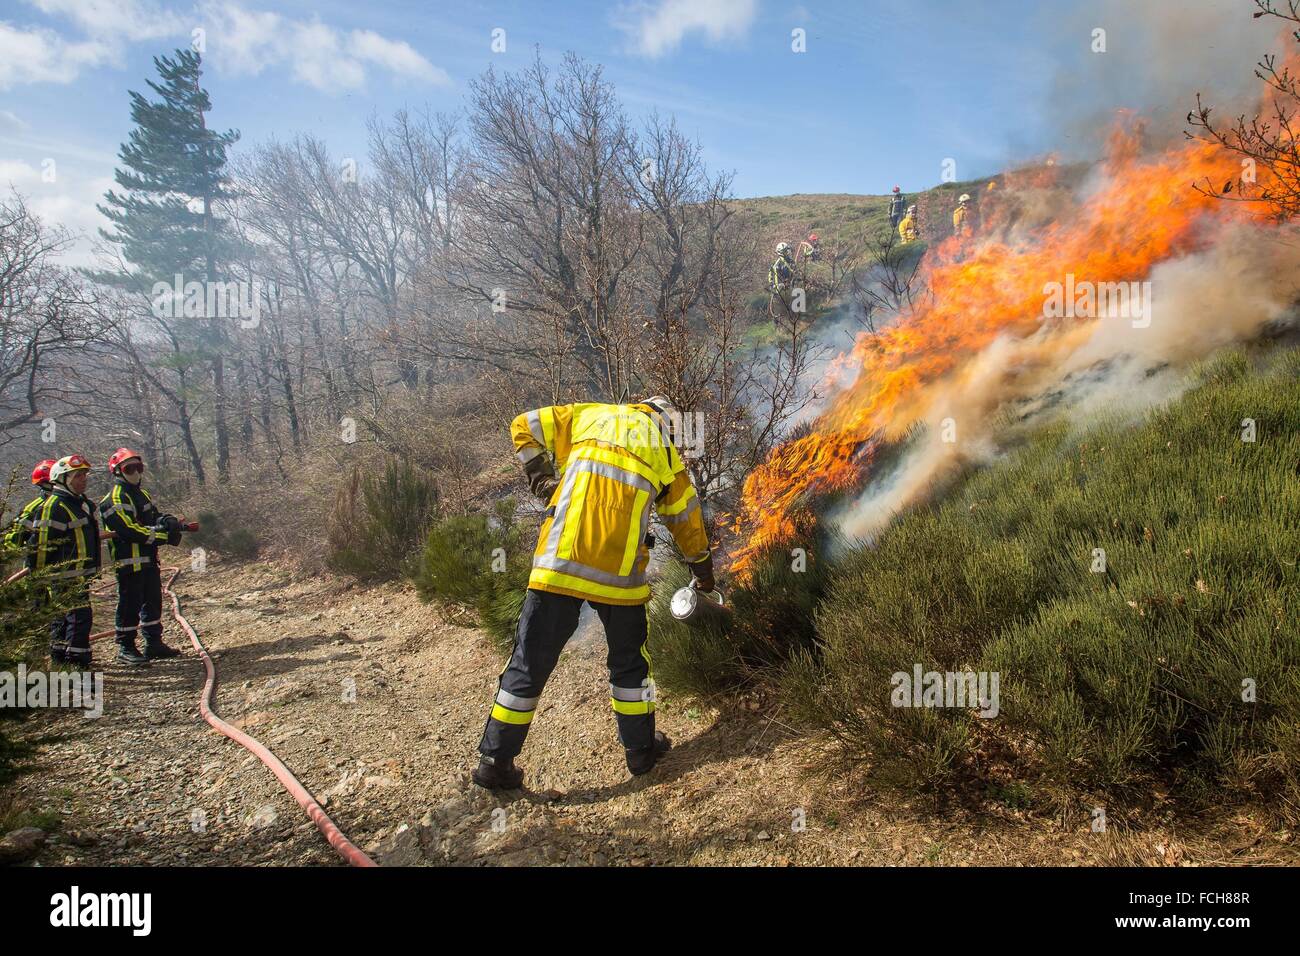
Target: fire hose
x,y
341,844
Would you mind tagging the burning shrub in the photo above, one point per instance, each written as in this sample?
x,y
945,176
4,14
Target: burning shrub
x,y
1131,586
771,621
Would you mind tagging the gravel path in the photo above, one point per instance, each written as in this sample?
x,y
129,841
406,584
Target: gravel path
x,y
376,701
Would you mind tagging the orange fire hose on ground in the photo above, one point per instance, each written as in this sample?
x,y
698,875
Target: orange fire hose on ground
x,y
341,844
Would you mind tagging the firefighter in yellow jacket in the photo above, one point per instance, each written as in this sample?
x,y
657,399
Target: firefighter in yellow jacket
x,y
600,468
961,225
907,228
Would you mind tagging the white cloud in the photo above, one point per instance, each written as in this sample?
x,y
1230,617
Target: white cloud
x,y
239,40
68,202
42,56
659,28
317,55
131,20
396,56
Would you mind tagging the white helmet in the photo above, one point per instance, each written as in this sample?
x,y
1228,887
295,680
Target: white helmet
x,y
911,209
964,197
782,248
66,465
660,403
667,412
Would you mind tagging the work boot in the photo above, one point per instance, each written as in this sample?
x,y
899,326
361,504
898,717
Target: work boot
x,y
492,775
642,759
129,655
79,659
154,650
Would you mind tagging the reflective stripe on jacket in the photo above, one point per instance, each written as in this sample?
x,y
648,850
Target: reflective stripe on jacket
x,y
779,275
64,539
131,515
613,462
25,523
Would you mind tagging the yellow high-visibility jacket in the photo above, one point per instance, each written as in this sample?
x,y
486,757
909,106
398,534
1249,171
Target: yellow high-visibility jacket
x,y
907,229
959,220
613,463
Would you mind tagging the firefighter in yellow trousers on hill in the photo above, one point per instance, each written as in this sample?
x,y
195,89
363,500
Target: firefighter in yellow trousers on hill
x,y
600,468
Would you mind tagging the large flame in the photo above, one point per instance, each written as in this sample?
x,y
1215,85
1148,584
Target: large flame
x,y
1144,210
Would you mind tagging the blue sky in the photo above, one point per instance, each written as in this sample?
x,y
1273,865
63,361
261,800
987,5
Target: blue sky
x,y
885,92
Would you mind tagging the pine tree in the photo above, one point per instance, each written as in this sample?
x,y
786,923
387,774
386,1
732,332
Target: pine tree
x,y
173,172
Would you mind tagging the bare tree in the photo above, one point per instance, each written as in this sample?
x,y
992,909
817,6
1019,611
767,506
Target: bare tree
x,y
44,322
1267,141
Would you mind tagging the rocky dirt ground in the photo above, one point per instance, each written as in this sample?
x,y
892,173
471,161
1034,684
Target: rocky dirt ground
x,y
376,701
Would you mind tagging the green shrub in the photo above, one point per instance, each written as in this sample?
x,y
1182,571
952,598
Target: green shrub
x,y
379,521
479,562
1109,678
26,607
771,620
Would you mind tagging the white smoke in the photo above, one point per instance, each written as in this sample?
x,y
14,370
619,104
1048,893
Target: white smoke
x,y
1249,278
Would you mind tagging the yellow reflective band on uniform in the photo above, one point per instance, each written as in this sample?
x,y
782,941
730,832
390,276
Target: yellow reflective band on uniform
x,y
632,708
636,533
634,468
680,517
547,417
680,505
633,693
43,538
577,492
507,716
587,573
548,579
131,523
81,538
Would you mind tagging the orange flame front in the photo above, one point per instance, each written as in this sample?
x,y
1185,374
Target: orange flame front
x,y
1143,211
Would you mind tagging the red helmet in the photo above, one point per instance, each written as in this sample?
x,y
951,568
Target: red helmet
x,y
896,189
812,237
41,473
121,457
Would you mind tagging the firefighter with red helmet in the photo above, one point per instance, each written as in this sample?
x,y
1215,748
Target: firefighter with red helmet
x,y
897,206
138,528
63,547
810,249
23,525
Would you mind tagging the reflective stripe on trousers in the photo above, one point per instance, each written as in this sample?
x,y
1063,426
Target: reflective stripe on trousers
x,y
546,623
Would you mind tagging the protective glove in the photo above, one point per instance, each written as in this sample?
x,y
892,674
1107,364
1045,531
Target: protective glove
x,y
545,487
703,574
541,477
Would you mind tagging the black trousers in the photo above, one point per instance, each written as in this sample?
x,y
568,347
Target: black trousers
x,y
139,606
545,626
70,631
